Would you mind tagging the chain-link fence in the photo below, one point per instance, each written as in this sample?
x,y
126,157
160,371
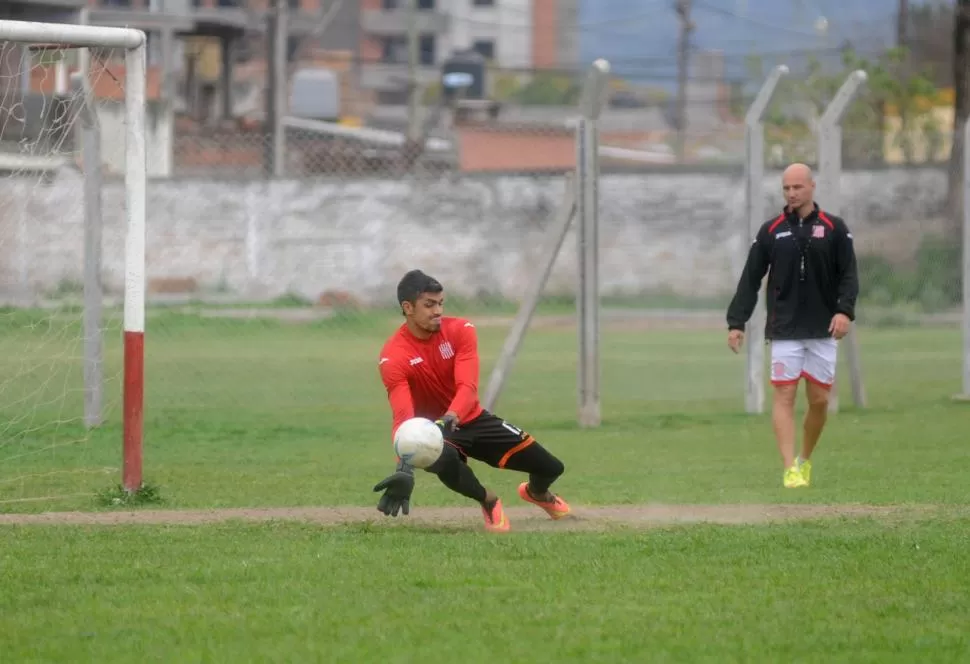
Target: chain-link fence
x,y
270,297
487,187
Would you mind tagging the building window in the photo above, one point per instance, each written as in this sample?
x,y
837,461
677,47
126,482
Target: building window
x,y
426,50
485,47
394,50
483,3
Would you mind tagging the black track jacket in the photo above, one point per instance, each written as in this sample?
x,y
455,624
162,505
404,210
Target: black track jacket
x,y
812,276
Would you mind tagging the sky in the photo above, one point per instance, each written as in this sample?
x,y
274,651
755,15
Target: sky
x,y
640,37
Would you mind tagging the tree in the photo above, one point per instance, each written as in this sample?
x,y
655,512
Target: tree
x,y
961,112
893,84
928,52
550,89
540,88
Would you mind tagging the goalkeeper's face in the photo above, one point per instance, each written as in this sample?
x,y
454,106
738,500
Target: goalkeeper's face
x,y
427,310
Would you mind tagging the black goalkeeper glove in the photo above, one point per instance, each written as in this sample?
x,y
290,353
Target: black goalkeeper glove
x,y
397,488
447,423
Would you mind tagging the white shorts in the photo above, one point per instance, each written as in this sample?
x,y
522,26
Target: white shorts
x,y
812,359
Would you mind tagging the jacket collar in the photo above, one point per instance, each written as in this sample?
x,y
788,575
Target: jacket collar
x,y
791,215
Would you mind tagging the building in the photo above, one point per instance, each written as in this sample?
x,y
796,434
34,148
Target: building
x,y
220,51
207,63
28,119
210,40
513,34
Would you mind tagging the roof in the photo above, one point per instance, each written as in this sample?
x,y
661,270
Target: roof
x,y
650,118
502,149
107,83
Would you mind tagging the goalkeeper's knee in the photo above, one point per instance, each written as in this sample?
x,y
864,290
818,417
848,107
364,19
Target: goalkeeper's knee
x,y
455,474
448,463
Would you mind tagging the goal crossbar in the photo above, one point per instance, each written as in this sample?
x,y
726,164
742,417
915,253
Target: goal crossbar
x,y
134,42
78,36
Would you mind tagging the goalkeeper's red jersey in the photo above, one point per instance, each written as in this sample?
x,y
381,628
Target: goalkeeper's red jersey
x,y
430,377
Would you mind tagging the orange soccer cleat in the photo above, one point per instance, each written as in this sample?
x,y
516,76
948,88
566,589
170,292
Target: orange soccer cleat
x,y
556,508
495,519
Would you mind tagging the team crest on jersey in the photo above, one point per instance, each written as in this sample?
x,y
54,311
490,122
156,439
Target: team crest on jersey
x,y
818,230
447,351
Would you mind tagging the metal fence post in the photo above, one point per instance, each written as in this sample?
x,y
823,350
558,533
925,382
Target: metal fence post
x,y
89,135
549,251
277,34
587,211
829,197
579,200
754,207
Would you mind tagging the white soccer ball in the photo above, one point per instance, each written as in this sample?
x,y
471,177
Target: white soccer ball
x,y
418,442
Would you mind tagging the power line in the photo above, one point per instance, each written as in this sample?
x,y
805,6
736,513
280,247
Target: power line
x,y
735,15
595,27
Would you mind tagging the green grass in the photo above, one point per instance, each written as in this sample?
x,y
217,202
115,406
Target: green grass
x,y
250,413
861,592
259,413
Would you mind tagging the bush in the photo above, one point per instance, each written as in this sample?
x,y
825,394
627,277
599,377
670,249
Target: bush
x,y
935,284
938,268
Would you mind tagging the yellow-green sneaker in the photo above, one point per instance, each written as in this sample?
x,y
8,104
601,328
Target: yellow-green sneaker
x,y
793,478
805,468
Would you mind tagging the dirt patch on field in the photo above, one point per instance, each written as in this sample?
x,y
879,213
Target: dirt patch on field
x,y
522,518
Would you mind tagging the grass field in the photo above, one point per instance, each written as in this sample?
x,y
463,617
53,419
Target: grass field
x,y
280,416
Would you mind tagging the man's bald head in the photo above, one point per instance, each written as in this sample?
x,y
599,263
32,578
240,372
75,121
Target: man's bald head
x,y
798,186
798,171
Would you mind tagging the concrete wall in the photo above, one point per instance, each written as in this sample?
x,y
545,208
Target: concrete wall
x,y
674,232
159,125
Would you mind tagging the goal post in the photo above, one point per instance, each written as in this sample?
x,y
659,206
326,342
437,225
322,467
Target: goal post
x,y
34,37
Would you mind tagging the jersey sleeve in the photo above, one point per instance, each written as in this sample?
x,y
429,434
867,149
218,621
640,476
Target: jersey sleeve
x,y
847,273
466,373
746,295
394,376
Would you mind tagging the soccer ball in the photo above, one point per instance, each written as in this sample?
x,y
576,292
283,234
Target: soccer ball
x,y
418,441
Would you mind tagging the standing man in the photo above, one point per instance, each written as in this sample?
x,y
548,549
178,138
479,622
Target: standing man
x,y
429,367
811,293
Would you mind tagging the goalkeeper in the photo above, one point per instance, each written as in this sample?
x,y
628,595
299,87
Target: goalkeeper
x,y
430,369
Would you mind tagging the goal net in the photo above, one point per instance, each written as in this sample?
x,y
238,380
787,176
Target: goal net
x,y
71,181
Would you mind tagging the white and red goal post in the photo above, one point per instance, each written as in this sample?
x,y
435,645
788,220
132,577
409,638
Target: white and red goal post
x,y
66,36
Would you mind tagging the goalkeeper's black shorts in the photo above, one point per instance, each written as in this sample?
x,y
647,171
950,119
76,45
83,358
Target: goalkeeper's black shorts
x,y
492,440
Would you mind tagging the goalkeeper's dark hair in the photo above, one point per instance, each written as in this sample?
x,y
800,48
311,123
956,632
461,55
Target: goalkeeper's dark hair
x,y
413,284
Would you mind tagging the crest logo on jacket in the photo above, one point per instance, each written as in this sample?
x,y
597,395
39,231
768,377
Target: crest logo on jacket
x,y
818,230
447,352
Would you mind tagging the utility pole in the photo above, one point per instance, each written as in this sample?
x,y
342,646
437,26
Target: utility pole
x,y
683,58
414,89
902,24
